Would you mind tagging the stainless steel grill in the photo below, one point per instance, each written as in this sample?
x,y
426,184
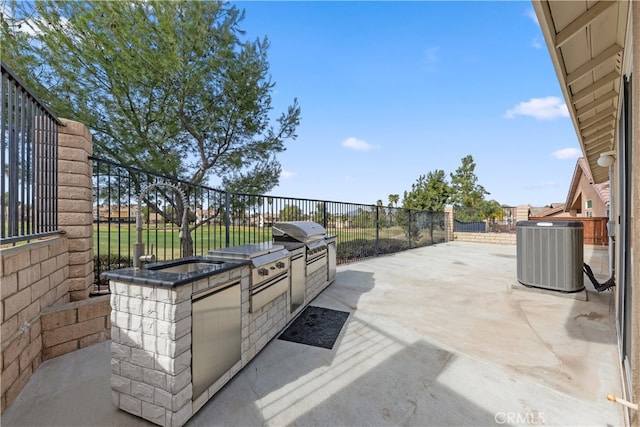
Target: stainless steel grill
x,y
269,269
298,231
293,234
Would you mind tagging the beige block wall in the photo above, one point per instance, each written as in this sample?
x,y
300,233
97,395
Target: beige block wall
x,y
75,204
448,224
34,277
497,238
75,325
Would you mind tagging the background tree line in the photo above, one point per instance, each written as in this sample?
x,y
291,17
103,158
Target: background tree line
x,y
433,191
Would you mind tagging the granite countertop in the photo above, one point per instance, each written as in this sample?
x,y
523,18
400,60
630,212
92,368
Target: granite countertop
x,y
153,275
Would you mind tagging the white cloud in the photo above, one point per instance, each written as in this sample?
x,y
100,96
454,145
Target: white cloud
x,y
532,15
285,174
30,26
536,44
567,153
356,144
548,108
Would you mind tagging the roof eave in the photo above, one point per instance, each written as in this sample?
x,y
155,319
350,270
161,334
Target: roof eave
x,y
599,135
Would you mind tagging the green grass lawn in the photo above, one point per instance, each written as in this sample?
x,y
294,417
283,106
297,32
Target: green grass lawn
x,y
119,239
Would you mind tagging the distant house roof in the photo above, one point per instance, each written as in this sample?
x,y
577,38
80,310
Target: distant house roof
x,y
552,210
602,189
547,210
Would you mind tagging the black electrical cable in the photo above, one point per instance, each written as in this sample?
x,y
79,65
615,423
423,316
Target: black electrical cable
x,y
599,286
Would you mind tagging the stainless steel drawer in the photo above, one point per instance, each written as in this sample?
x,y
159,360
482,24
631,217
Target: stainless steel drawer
x,y
317,264
266,292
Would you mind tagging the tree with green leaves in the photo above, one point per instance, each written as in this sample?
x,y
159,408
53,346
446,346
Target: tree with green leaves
x,y
394,199
365,218
465,190
291,213
467,195
165,86
15,45
428,193
319,215
393,204
170,87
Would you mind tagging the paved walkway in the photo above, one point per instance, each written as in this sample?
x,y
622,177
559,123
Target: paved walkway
x,y
436,337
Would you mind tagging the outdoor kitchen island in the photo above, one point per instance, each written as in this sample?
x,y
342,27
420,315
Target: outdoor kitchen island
x,y
182,329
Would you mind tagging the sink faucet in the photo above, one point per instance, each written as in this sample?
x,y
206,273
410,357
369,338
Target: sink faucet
x,y
139,257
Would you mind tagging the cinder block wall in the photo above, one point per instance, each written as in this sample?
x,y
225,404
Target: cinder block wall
x,y
75,325
34,276
497,238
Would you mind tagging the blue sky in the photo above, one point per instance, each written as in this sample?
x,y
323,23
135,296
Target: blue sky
x,y
392,90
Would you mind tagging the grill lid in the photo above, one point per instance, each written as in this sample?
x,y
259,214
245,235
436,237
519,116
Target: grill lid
x,y
301,231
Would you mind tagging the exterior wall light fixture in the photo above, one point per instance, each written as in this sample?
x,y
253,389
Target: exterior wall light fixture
x,y
607,158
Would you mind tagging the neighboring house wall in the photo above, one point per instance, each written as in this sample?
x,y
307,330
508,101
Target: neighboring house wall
x,y
42,279
579,205
584,198
586,202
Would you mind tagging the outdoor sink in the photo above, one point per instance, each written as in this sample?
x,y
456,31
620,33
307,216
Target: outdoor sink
x,y
187,266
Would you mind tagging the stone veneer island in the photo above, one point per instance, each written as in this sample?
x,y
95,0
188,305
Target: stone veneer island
x,y
152,335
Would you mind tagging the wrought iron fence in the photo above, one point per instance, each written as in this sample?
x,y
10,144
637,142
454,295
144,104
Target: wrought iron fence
x,y
29,160
480,220
219,219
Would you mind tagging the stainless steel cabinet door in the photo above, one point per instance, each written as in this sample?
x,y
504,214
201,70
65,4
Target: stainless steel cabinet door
x,y
216,335
297,283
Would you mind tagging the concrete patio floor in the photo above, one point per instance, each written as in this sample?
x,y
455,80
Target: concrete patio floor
x,y
436,337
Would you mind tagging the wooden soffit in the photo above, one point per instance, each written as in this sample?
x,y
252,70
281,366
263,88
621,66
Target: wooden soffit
x,y
586,40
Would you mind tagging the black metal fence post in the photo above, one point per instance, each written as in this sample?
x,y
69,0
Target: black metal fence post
x,y
325,215
409,225
377,230
227,220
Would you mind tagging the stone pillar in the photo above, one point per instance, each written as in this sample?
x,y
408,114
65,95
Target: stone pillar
x,y
522,213
448,224
151,351
75,206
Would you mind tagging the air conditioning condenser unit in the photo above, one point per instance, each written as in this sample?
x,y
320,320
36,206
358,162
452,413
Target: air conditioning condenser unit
x,y
549,255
